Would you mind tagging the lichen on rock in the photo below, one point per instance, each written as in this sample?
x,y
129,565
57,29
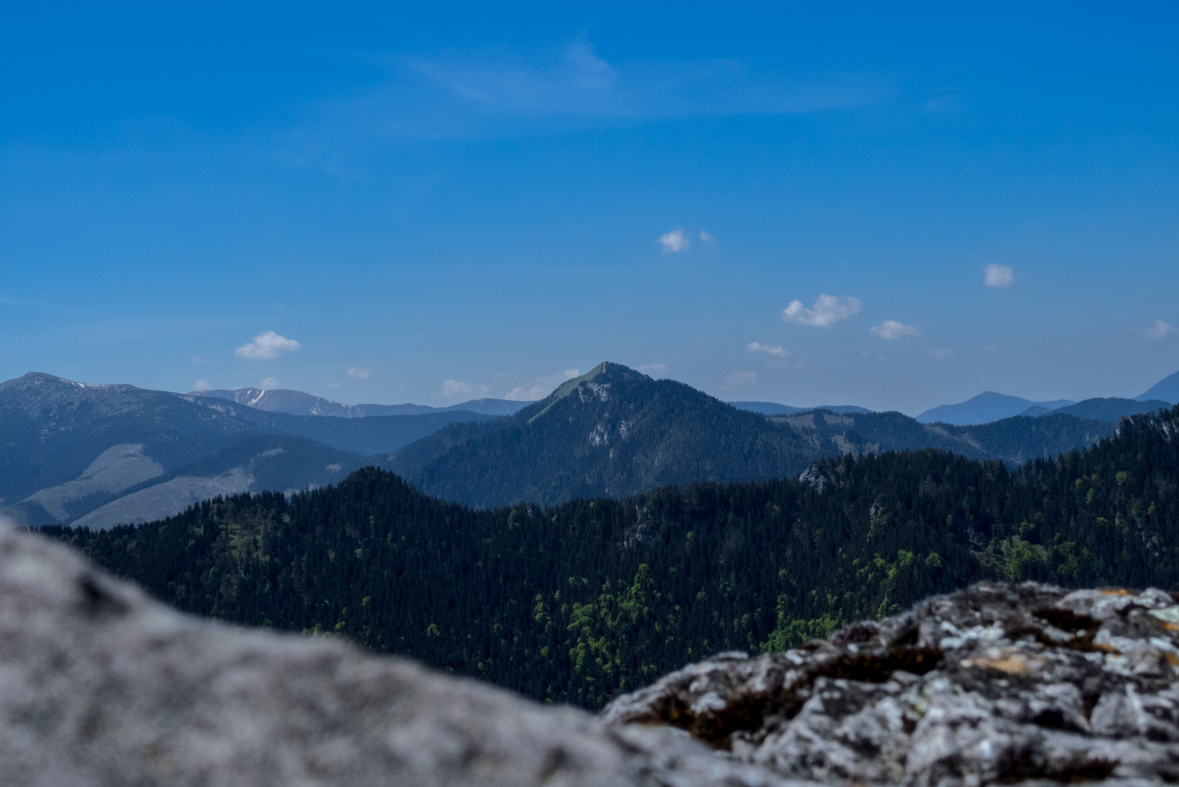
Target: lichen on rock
x,y
992,684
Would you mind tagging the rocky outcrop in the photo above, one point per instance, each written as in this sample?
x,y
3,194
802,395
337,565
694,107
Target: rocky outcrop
x,y
994,684
100,685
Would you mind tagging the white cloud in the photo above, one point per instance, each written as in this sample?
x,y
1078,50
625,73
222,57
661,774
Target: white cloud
x,y
674,241
359,374
454,389
651,367
738,379
269,384
999,276
828,310
941,353
571,373
773,352
706,238
1159,330
267,345
201,385
198,359
891,329
531,394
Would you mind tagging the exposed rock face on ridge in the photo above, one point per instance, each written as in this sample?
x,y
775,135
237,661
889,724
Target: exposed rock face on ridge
x,y
993,684
100,685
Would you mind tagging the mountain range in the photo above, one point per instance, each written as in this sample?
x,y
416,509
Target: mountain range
x,y
116,453
282,400
990,406
96,455
773,408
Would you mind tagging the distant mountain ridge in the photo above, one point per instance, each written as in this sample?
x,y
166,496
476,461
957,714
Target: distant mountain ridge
x,y
1112,410
615,432
1166,389
69,449
283,400
990,406
984,408
773,408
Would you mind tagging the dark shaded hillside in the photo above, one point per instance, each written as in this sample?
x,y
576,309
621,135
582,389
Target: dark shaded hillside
x,y
1012,440
1112,410
593,597
612,432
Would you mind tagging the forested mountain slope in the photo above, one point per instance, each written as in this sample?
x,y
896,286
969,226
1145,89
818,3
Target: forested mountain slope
x,y
612,432
592,597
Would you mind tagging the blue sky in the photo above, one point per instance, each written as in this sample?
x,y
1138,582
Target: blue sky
x,y
387,203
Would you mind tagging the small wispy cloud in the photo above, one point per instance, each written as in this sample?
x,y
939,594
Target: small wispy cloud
x,y
201,385
269,384
1158,330
267,345
766,349
674,241
740,379
941,353
530,394
891,329
541,387
706,237
828,310
455,389
999,276
359,374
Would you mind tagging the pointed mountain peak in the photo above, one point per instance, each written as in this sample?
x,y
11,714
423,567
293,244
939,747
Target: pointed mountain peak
x,y
604,374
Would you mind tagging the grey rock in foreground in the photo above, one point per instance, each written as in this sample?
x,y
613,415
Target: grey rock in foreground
x,y
1026,684
100,685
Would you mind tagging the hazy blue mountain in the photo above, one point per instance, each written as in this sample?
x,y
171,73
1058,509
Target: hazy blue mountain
x,y
68,449
1166,389
611,432
773,408
1014,440
984,408
282,400
1112,410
